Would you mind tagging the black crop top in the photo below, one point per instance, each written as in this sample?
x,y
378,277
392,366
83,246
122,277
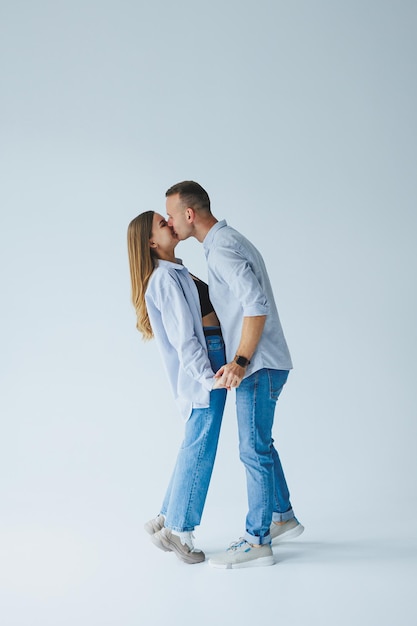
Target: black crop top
x,y
202,288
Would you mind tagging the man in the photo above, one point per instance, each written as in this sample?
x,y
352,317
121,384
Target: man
x,y
258,367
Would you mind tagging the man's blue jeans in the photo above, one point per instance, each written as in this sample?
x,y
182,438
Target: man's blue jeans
x,y
268,495
186,494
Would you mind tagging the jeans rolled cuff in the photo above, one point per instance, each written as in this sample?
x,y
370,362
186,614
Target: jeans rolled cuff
x,y
282,517
258,541
180,529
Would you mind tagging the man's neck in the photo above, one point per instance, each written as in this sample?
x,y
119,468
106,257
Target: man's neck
x,y
203,227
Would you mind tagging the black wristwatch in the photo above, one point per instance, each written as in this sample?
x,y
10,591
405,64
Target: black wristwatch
x,y
241,360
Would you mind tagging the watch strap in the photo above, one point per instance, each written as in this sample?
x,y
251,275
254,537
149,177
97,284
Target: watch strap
x,y
241,360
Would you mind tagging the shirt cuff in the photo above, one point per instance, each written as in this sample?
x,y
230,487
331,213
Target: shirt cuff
x,y
208,383
255,309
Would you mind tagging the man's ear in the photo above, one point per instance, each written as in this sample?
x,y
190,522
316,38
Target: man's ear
x,y
190,214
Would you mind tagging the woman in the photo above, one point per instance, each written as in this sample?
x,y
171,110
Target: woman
x,y
174,307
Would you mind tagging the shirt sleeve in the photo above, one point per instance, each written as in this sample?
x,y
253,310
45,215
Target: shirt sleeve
x,y
231,266
178,323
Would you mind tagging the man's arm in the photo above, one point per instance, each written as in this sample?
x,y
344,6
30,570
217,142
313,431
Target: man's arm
x,y
231,374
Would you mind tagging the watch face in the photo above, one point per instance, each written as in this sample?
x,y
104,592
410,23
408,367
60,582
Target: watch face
x,y
242,361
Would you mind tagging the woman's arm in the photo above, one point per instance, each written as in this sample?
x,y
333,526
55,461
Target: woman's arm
x,y
179,327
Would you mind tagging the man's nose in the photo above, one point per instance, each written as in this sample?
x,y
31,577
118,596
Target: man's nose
x,y
169,222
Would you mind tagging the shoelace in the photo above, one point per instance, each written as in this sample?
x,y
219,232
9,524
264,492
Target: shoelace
x,y
237,544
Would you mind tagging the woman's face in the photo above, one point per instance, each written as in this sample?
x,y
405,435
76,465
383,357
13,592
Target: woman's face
x,y
163,239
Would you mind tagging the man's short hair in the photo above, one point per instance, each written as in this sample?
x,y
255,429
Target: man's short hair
x,y
192,194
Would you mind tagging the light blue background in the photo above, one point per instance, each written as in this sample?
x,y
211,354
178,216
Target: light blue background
x,y
300,120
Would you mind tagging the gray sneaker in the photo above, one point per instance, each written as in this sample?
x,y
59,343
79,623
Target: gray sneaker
x,y
243,554
165,540
155,524
284,532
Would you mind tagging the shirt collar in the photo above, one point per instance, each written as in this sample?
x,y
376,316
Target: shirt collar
x,y
177,266
208,239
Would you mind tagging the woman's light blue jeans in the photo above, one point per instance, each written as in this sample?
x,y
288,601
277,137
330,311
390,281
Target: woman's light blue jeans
x,y
268,495
186,494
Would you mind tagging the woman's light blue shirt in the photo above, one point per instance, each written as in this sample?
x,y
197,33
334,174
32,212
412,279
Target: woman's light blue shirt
x,y
174,312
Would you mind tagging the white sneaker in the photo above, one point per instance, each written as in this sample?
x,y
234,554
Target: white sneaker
x,y
156,524
243,554
284,532
181,544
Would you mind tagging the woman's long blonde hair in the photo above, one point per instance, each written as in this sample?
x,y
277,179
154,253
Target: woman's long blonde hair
x,y
142,264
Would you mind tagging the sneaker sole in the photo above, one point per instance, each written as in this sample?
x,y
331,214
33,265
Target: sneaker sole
x,y
171,546
290,534
260,562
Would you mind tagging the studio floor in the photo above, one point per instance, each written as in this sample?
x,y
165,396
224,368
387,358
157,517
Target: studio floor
x,y
110,574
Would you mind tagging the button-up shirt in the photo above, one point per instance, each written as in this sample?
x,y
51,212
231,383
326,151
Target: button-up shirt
x,y
175,315
239,287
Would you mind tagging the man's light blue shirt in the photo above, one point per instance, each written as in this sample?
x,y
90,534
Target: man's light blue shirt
x,y
174,312
239,287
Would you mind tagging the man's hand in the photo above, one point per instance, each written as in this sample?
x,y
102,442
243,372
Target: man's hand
x,y
229,375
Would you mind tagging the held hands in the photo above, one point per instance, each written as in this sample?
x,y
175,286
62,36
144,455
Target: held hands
x,y
228,376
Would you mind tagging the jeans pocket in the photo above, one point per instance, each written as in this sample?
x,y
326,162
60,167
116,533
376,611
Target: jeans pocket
x,y
277,379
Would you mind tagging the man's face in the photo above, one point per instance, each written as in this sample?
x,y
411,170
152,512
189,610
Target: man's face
x,y
179,217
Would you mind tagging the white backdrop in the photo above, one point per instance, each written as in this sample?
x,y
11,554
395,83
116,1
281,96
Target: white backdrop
x,y
299,119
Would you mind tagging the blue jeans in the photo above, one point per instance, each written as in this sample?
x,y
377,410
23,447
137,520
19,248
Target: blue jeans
x,y
186,494
268,495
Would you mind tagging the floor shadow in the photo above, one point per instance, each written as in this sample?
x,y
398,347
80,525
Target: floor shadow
x,y
347,551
